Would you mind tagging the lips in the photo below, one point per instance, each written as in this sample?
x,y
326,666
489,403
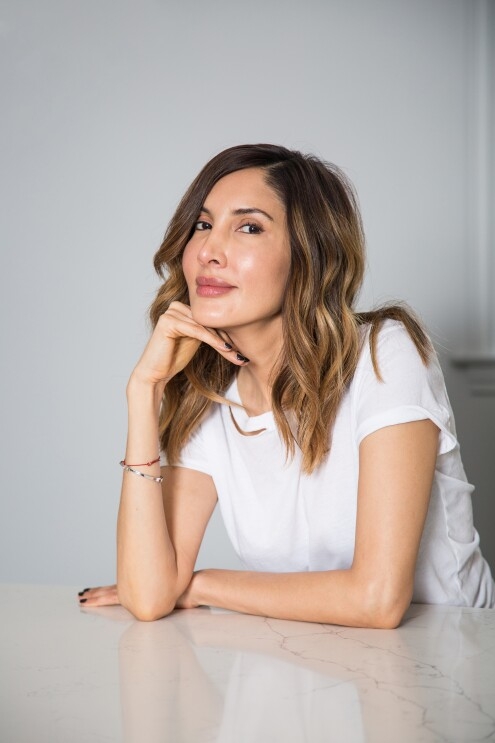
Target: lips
x,y
210,286
212,281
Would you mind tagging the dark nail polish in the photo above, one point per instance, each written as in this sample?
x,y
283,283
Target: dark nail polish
x,y
82,601
240,357
228,346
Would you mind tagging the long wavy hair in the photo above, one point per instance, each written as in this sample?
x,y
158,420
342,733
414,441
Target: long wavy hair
x,y
321,329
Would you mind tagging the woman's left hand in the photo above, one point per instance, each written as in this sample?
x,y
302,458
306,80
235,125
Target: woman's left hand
x,y
107,596
102,596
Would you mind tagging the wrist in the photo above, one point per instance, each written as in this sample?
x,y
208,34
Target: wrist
x,y
144,390
199,588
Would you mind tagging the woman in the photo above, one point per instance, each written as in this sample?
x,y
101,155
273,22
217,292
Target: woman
x,y
325,434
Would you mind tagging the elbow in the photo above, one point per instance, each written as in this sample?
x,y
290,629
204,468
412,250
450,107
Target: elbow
x,y
146,609
386,617
149,613
385,608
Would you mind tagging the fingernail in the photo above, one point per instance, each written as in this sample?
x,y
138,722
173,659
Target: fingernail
x,y
81,601
83,591
228,346
240,357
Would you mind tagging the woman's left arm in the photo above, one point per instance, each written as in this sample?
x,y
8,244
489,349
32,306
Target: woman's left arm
x,y
396,468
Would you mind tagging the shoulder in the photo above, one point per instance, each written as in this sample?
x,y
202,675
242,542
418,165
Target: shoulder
x,y
390,351
400,387
395,373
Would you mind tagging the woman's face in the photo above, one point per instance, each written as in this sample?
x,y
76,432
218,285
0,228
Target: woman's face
x,y
237,261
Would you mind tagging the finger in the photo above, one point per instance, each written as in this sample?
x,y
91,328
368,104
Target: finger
x,y
224,338
187,327
180,308
110,598
103,595
178,320
224,346
87,592
230,345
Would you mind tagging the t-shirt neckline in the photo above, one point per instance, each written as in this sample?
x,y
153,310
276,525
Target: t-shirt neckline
x,y
244,421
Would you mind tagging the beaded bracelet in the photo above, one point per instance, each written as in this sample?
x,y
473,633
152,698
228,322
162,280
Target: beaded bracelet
x,y
127,468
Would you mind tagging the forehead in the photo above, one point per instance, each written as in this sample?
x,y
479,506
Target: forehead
x,y
243,188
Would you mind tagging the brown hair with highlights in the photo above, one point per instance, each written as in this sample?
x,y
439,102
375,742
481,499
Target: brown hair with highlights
x,y
321,329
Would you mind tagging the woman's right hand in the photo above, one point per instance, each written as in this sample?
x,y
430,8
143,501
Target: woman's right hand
x,y
174,341
150,570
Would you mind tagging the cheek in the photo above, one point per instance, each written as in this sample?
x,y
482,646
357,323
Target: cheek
x,y
280,270
188,263
247,265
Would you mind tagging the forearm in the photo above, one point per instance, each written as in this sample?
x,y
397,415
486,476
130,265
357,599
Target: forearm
x,y
396,469
342,597
146,563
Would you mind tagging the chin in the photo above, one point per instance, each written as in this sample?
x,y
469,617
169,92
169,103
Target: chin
x,y
207,319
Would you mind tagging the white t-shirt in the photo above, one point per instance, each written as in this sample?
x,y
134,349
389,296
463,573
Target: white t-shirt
x,y
281,520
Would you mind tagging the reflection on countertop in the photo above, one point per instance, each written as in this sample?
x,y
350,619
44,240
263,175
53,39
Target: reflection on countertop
x,y
71,674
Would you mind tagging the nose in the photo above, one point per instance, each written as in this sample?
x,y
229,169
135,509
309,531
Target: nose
x,y
212,250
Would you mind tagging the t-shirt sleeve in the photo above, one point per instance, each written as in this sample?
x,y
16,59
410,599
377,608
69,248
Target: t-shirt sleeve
x,y
410,390
194,454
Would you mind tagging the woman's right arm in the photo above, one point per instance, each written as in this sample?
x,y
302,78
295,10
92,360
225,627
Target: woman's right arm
x,y
160,528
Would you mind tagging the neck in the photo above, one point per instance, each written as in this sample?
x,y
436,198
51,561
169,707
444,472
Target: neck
x,y
262,346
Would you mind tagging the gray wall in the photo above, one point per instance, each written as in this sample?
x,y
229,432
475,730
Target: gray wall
x,y
109,110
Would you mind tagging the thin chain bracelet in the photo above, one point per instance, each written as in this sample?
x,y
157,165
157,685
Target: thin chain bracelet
x,y
126,468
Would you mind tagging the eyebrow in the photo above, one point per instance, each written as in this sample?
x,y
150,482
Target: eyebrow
x,y
240,212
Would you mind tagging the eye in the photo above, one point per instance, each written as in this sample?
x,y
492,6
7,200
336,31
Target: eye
x,y
202,225
251,229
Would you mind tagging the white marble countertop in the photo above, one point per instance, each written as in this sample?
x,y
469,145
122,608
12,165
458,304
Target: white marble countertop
x,y
72,674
